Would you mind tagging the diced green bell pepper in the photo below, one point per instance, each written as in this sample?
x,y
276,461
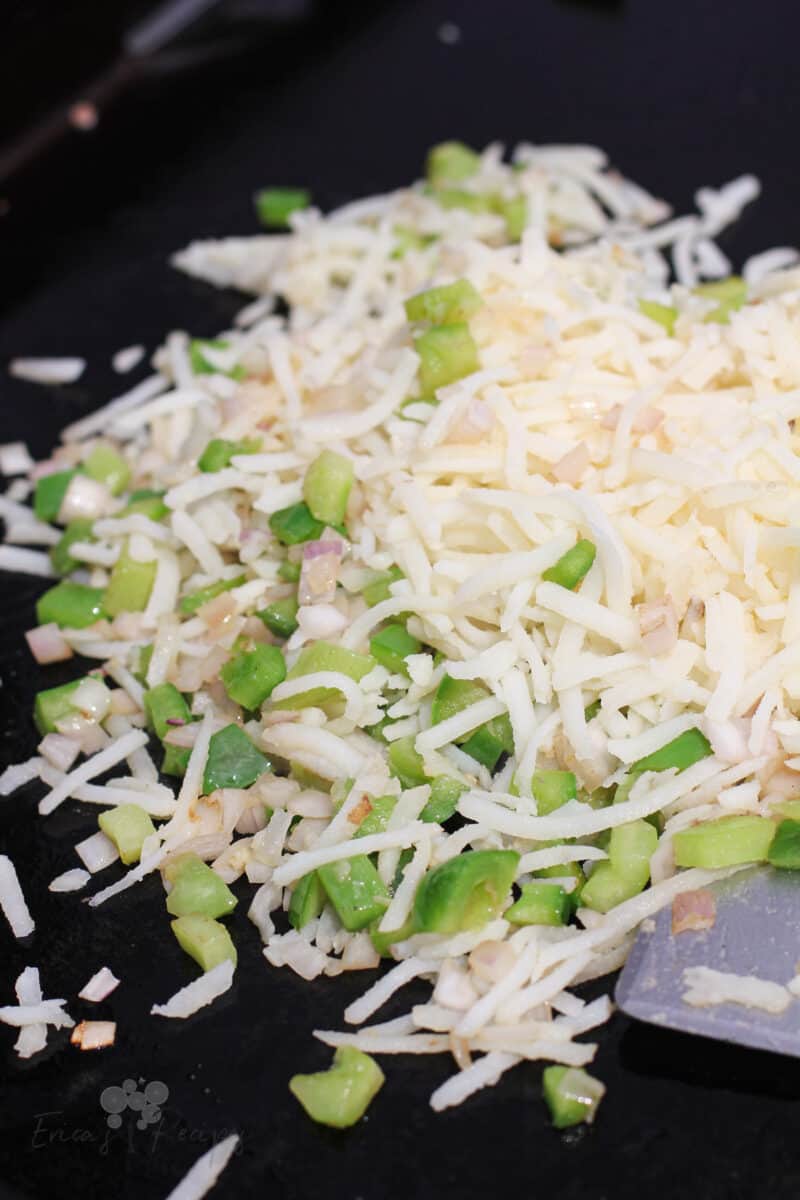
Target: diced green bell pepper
x,y
443,801
540,904
378,589
489,741
356,891
104,464
450,162
295,524
664,314
280,617
53,705
146,501
196,889
308,901
626,872
233,761
377,818
190,604
447,353
464,892
552,789
405,763
208,942
731,294
682,752
450,197
515,214
441,305
784,851
49,494
70,606
341,1095
289,572
79,530
275,206
571,1094
326,487
324,656
127,825
250,677
219,452
130,585
572,566
392,645
725,842
166,709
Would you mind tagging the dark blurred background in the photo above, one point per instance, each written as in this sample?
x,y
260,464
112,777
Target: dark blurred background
x,y
126,130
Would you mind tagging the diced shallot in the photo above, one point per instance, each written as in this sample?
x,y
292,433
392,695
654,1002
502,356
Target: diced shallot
x,y
658,625
319,572
94,1035
491,960
693,911
320,621
102,984
59,750
571,467
47,645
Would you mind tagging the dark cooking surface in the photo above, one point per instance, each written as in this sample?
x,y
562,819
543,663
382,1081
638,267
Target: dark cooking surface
x,y
680,95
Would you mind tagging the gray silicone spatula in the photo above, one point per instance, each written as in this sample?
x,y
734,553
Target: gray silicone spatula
x,y
756,933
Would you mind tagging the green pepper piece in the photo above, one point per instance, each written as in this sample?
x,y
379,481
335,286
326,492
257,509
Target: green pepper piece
x,y
196,888
53,705
449,198
724,842
308,901
249,678
515,214
379,588
572,1095
166,709
275,206
454,695
289,572
208,942
786,808
146,501
447,353
682,752
130,585
443,801
219,452
664,314
324,656
490,741
356,891
572,566
341,1095
383,941
127,825
551,789
70,606
591,711
107,466
79,530
326,487
143,657
630,848
280,617
201,365
49,494
450,162
233,761
441,305
731,293
295,524
405,763
410,239
465,892
377,818
190,604
785,848
392,645
540,904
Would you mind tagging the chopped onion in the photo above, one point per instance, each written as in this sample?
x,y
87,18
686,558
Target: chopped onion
x,y
319,572
47,644
59,750
94,1035
183,736
102,984
320,621
571,467
311,803
491,960
658,625
473,425
92,699
97,852
360,954
85,497
454,988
